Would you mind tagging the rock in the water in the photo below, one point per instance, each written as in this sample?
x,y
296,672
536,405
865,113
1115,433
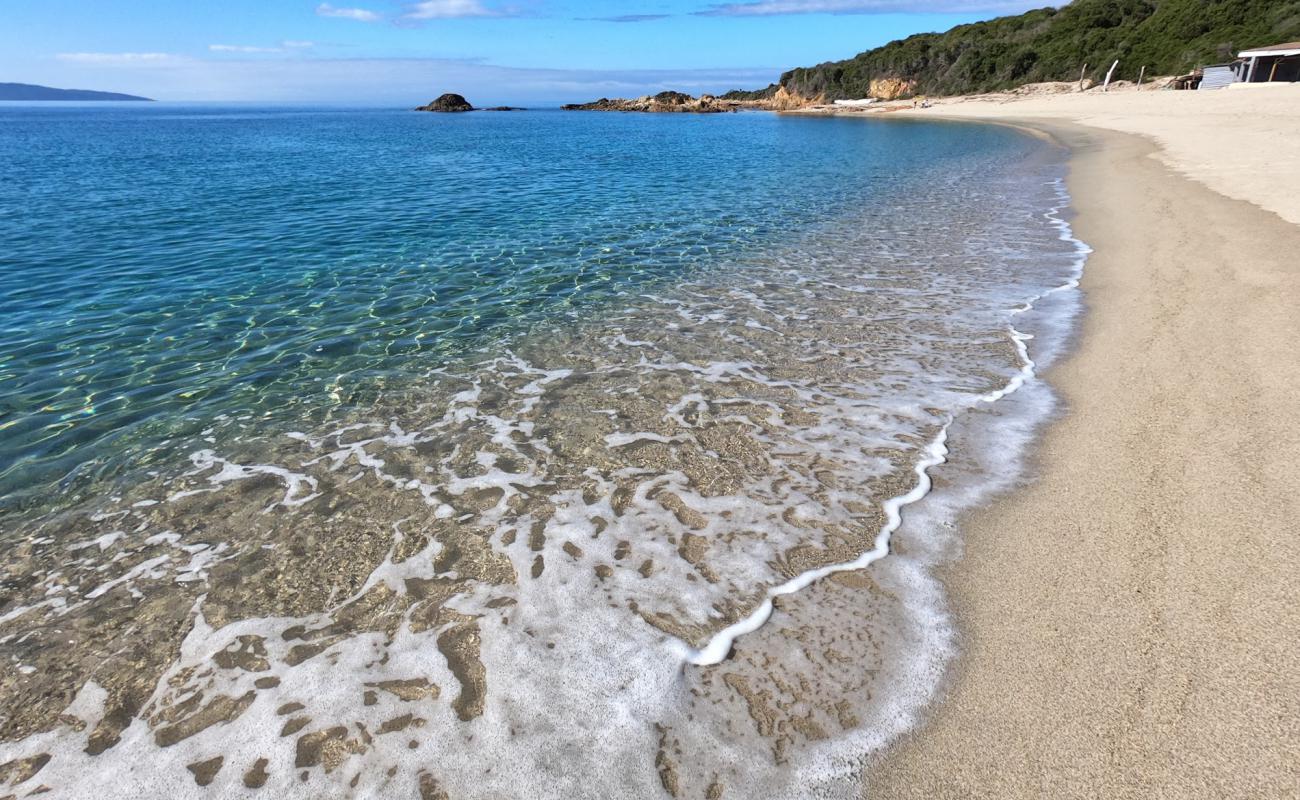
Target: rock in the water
x,y
448,104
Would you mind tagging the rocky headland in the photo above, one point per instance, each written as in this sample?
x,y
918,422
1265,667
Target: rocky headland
x,y
662,103
774,99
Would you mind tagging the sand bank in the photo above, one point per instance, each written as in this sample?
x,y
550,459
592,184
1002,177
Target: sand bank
x,y
1129,621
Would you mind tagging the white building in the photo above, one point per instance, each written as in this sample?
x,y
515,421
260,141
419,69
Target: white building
x,y
1275,63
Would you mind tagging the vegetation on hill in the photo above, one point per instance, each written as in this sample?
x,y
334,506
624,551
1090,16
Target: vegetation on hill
x,y
1052,44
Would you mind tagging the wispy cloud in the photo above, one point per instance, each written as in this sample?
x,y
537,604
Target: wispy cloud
x,y
448,9
243,48
288,44
116,58
771,8
629,18
358,14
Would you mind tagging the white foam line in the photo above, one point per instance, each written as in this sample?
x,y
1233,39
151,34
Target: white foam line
x,y
719,647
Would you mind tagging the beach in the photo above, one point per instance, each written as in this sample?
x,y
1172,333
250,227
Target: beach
x,y
1127,621
603,487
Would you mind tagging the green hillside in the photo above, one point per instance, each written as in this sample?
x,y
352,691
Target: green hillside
x,y
1166,36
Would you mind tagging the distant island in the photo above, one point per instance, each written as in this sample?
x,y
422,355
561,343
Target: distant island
x,y
28,91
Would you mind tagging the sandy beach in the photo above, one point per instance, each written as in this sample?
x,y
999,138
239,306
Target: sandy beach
x,y
1128,620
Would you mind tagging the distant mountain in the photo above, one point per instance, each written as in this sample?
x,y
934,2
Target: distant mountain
x,y
1051,44
27,91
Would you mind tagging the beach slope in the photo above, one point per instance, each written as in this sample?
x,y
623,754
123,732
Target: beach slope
x,y
1129,620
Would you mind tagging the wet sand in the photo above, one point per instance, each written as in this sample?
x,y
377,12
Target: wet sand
x,y
1129,625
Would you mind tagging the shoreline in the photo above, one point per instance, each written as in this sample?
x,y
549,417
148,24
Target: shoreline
x,y
1122,632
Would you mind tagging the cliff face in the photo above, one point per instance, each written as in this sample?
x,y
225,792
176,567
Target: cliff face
x,y
891,88
785,100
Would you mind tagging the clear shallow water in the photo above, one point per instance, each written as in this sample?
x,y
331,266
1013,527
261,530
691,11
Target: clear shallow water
x,y
164,266
396,452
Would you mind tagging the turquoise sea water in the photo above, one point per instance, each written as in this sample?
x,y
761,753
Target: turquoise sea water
x,y
376,453
165,265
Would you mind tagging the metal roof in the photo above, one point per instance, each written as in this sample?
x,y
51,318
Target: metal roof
x,y
1284,49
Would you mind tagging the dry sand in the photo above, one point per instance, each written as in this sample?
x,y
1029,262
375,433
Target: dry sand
x,y
1242,142
1131,620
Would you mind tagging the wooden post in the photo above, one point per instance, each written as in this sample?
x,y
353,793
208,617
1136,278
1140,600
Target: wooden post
x,y
1273,71
1106,85
1082,72
1142,73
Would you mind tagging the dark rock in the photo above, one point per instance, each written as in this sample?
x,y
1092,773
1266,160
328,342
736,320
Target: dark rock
x,y
448,104
502,108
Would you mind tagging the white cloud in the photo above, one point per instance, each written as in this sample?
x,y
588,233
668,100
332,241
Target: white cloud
x,y
358,14
115,58
769,8
447,9
295,44
241,48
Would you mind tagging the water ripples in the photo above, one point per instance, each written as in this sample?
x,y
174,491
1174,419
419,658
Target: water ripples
x,y
161,269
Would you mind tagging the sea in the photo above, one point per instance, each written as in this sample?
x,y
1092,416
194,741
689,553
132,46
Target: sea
x,y
372,453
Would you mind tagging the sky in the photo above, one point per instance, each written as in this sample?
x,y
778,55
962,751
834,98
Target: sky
x,y
403,52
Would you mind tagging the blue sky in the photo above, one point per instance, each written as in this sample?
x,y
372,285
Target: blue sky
x,y
398,52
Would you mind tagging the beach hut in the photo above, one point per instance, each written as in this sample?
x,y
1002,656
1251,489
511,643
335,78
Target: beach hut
x,y
1273,64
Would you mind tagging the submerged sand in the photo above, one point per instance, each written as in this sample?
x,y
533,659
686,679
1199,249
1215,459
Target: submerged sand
x,y
1129,621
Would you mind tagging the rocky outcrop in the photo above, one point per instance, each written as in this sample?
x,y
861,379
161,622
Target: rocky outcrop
x,y
891,88
448,104
785,100
662,103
